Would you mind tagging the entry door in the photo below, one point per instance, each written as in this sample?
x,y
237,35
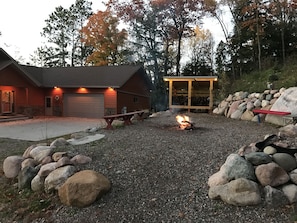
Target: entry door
x,y
7,102
48,106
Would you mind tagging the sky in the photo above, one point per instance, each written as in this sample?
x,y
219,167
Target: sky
x,y
22,21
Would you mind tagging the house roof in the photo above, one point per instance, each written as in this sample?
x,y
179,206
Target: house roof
x,y
96,76
6,60
91,77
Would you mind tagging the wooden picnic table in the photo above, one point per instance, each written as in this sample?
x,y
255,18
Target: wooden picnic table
x,y
125,116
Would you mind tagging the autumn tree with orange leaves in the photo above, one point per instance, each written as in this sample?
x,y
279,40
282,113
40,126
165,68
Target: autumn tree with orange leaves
x,y
102,33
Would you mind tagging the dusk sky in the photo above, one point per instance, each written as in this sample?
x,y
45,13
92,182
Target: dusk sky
x,y
21,23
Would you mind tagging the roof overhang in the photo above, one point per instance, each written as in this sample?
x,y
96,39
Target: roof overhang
x,y
190,78
84,86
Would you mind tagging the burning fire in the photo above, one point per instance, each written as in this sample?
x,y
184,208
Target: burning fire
x,y
184,122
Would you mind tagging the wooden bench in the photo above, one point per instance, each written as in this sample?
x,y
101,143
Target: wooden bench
x,y
125,116
270,112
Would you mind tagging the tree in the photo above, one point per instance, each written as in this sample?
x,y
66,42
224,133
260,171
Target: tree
x,y
201,57
39,57
179,15
57,32
233,43
62,34
254,18
223,59
142,20
264,33
102,34
80,13
151,42
283,23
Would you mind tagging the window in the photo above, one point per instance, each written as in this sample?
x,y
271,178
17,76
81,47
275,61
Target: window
x,y
48,102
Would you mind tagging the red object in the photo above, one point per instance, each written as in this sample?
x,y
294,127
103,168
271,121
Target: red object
x,y
271,112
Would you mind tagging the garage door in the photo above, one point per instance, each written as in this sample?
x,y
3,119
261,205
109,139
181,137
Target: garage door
x,y
83,105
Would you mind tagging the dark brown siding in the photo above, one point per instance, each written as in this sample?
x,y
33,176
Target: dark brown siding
x,y
28,98
10,77
135,94
136,84
110,101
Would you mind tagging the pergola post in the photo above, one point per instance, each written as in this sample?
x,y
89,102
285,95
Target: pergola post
x,y
189,94
210,95
170,93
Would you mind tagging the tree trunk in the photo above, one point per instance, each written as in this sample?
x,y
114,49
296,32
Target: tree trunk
x,y
178,56
258,38
283,43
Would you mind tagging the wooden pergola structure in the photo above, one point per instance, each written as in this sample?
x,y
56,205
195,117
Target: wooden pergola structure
x,y
191,92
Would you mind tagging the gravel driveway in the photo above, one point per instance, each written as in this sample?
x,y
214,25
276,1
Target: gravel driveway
x,y
159,173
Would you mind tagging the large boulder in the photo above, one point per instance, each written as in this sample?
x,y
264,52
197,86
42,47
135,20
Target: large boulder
x,y
59,142
247,115
290,191
271,174
83,188
80,159
220,110
293,176
37,183
284,160
275,198
46,169
28,162
239,192
38,153
57,177
12,166
234,167
258,158
25,177
233,108
288,131
287,102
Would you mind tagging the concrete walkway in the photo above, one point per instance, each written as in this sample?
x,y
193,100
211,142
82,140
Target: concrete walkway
x,y
41,128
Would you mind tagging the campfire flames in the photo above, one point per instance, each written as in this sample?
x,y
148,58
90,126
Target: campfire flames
x,y
184,122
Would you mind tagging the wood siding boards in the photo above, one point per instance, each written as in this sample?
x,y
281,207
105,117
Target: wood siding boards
x,y
110,101
132,102
11,77
27,97
134,94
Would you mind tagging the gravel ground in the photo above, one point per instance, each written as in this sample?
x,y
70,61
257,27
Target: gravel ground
x,y
159,173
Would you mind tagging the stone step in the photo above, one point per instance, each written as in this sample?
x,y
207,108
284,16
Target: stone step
x,y
9,118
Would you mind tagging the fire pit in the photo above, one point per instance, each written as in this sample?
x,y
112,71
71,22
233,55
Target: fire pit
x,y
184,122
